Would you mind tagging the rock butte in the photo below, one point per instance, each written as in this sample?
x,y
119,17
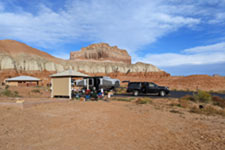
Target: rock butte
x,y
101,52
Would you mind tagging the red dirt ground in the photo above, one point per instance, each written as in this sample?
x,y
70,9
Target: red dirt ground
x,y
109,126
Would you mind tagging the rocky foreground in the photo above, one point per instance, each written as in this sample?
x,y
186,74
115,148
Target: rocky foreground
x,y
109,126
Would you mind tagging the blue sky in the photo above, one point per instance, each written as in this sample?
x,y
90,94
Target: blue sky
x,y
181,37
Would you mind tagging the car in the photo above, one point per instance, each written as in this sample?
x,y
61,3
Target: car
x,y
138,88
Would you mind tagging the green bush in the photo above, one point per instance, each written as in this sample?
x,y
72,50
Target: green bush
x,y
203,96
143,101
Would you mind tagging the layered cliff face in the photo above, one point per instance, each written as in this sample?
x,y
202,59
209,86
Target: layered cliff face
x,y
101,52
20,57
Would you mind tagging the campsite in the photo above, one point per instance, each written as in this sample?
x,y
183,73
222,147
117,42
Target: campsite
x,y
112,75
35,119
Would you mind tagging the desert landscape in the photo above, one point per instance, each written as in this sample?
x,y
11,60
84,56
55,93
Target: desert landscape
x,y
31,119
112,75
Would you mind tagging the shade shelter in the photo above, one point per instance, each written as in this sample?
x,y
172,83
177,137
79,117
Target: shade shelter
x,y
22,81
61,83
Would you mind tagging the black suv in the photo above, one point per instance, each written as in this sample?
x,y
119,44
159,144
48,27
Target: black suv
x,y
147,87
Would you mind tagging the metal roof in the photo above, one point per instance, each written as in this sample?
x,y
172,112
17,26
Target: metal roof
x,y
23,78
69,73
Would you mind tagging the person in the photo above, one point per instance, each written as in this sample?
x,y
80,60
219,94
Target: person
x,y
102,91
109,94
100,95
73,92
94,94
87,94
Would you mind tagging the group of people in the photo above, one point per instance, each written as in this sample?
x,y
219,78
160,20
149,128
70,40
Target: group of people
x,y
90,94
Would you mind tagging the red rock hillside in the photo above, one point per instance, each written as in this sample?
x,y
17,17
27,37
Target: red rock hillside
x,y
17,58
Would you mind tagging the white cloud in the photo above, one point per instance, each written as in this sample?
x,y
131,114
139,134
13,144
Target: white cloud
x,y
219,18
219,47
195,56
128,24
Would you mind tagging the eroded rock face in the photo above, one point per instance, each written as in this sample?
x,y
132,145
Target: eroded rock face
x,y
7,63
101,52
35,60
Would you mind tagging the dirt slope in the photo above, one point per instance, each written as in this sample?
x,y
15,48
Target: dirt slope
x,y
14,48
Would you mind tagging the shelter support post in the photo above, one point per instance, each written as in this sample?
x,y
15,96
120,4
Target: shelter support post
x,y
87,84
70,88
52,88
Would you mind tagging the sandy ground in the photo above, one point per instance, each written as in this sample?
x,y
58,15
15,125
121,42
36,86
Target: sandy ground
x,y
76,125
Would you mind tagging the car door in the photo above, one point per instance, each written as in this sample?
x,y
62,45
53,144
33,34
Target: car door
x,y
152,88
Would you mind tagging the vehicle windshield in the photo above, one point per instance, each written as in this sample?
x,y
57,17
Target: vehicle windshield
x,y
152,85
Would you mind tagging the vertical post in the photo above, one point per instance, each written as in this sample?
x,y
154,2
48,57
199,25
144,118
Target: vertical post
x,y
70,89
52,88
87,83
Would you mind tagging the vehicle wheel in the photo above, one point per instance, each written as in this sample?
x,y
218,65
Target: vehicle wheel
x,y
162,93
136,93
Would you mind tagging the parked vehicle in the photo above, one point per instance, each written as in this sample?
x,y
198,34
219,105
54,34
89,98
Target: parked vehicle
x,y
138,88
105,83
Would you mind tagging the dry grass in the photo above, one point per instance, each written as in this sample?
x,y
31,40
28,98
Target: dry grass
x,y
125,99
184,103
144,100
208,110
218,101
203,103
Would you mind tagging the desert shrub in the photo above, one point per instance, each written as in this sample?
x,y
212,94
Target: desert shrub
x,y
208,110
121,90
218,101
16,93
36,91
9,93
195,109
7,87
188,97
203,96
143,101
185,103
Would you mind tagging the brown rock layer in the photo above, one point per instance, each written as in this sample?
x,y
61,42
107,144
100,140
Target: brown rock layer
x,y
101,52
